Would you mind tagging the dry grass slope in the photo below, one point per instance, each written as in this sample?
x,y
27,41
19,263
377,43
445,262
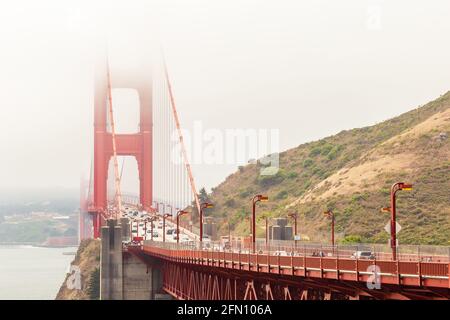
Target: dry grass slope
x,y
351,173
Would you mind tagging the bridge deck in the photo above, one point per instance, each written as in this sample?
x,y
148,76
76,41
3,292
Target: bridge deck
x,y
403,273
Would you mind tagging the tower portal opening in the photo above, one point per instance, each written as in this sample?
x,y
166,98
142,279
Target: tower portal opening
x,y
129,177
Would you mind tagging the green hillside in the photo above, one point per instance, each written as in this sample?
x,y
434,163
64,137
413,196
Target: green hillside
x,y
351,173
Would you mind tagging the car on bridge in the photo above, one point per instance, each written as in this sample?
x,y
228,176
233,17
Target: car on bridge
x,y
363,255
182,236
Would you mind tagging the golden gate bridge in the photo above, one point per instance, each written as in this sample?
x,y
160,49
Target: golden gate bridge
x,y
196,269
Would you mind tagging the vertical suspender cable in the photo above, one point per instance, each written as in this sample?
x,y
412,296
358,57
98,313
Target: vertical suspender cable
x,y
166,144
180,136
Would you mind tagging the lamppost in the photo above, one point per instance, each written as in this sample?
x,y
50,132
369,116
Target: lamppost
x,y
145,228
151,225
255,200
164,216
204,205
395,187
179,213
330,215
229,232
267,230
137,228
294,216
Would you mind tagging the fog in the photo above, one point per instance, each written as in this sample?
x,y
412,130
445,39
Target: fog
x,y
308,68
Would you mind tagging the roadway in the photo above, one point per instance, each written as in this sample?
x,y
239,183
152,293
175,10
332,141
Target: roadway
x,y
141,226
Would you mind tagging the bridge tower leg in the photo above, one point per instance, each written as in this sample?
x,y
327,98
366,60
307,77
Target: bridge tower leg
x,y
138,145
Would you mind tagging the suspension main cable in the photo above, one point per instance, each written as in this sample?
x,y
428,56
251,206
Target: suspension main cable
x,y
118,194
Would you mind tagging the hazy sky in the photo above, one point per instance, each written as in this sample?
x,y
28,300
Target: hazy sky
x,y
307,67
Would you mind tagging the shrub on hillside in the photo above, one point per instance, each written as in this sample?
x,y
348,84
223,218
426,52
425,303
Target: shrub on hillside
x,y
307,162
351,239
281,195
271,180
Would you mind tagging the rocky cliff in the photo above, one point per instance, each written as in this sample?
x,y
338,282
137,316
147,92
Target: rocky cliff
x,y
87,261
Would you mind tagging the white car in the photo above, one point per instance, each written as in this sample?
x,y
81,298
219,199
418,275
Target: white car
x,y
363,255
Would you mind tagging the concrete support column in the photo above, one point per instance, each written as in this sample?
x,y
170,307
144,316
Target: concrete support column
x,y
111,273
117,266
157,285
105,264
126,234
123,275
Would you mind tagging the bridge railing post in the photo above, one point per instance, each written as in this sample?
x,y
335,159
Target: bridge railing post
x,y
448,273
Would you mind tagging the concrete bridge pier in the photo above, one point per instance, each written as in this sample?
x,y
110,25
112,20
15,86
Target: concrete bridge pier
x,y
111,262
123,275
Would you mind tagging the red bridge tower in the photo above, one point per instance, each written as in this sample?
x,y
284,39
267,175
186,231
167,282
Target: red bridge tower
x,y
138,145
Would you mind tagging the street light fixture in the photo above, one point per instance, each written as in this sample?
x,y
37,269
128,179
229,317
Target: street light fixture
x,y
330,215
393,209
179,213
256,199
204,205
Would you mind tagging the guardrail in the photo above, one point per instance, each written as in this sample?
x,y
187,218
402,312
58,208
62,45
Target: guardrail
x,y
410,253
424,253
304,261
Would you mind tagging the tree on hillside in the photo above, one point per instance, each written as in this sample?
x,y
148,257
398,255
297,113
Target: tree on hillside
x,y
203,195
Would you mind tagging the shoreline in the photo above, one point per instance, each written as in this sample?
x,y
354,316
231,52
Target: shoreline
x,y
35,245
